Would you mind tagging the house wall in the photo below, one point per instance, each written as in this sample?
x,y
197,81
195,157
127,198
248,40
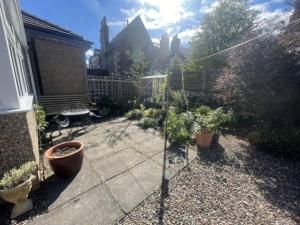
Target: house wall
x,y
62,67
19,140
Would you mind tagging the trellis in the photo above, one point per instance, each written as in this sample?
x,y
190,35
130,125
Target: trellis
x,y
116,88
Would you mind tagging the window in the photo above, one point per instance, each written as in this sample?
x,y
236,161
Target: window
x,y
16,53
136,54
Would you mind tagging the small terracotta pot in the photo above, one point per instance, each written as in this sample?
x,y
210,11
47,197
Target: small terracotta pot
x,y
67,165
204,140
18,196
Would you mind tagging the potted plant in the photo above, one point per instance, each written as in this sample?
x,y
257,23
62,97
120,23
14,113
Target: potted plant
x,y
204,132
218,118
66,158
207,126
15,187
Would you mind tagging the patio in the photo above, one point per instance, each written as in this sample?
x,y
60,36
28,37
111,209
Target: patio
x,y
122,166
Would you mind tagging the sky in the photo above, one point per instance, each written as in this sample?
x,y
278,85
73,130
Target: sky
x,y
180,17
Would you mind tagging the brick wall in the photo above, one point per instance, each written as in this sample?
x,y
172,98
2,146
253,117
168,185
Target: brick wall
x,y
62,67
19,140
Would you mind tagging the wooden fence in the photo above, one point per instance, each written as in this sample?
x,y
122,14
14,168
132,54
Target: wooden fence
x,y
200,84
55,104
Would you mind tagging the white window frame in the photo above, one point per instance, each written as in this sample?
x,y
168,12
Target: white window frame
x,y
18,74
16,55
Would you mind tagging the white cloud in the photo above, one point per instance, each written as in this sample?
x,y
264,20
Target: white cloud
x,y
186,35
158,14
89,53
208,6
272,20
155,40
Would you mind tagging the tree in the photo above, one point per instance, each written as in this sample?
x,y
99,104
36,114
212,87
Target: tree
x,y
291,35
261,80
223,27
130,67
138,67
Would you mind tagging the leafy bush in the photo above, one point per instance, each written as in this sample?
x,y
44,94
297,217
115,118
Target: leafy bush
x,y
151,103
17,176
262,80
179,127
107,106
153,113
203,110
40,116
285,141
208,120
134,114
148,123
179,101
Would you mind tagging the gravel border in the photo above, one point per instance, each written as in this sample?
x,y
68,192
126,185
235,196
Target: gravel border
x,y
230,183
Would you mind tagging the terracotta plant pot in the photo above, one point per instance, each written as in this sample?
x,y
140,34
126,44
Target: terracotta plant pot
x,y
67,165
18,196
204,140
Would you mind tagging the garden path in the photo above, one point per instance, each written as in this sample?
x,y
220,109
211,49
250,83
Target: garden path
x,y
123,165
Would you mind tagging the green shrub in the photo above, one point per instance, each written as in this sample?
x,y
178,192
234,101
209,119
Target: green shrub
x,y
179,127
178,101
134,114
147,122
40,116
153,113
17,176
208,120
202,110
285,141
151,103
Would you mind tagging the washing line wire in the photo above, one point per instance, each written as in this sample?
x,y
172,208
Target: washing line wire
x,y
225,50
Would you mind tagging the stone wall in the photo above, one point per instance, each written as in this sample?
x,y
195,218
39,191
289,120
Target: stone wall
x,y
18,140
62,67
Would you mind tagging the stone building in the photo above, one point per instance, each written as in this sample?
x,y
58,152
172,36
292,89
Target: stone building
x,y
133,39
95,60
18,134
175,46
58,63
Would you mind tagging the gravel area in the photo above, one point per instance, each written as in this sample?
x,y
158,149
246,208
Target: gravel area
x,y
227,184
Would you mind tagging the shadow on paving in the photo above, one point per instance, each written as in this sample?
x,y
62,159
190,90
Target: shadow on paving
x,y
276,178
48,193
174,154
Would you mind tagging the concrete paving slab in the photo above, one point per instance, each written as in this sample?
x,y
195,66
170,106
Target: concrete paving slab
x,y
61,190
176,159
148,174
126,191
98,153
150,147
109,167
93,208
131,157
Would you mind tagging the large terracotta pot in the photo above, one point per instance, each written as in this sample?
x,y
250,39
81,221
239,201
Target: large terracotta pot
x,y
67,165
204,140
18,196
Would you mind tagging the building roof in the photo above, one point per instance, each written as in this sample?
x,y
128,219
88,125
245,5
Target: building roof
x,y
130,29
35,23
